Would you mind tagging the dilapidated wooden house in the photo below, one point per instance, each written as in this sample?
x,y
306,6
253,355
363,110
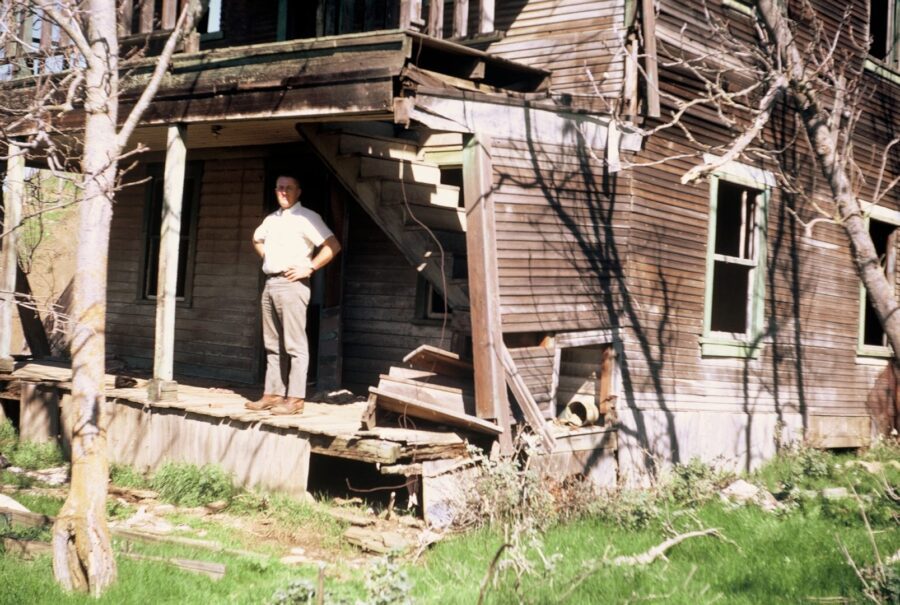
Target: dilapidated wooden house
x,y
486,168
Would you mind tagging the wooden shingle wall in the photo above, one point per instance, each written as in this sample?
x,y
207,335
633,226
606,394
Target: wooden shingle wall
x,y
561,235
569,37
217,334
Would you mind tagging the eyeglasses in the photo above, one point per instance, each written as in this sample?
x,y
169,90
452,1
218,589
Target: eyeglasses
x,y
283,189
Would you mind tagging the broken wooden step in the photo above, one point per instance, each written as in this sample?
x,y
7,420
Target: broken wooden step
x,y
433,359
426,411
453,399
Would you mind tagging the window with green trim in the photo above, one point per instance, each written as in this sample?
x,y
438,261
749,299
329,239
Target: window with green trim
x,y
735,267
883,228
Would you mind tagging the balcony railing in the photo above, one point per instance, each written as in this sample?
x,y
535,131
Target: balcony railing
x,y
37,45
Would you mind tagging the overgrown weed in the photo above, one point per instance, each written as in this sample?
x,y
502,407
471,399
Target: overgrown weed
x,y
28,454
127,476
190,485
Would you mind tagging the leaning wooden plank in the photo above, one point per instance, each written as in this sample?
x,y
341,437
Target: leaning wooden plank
x,y
433,359
533,414
433,413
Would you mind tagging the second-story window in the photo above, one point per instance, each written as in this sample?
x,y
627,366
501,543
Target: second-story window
x,y
211,21
883,30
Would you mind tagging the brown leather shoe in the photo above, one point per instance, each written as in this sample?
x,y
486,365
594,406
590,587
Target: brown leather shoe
x,y
291,405
266,402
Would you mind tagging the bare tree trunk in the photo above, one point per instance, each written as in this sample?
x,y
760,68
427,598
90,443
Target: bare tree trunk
x,y
82,551
773,14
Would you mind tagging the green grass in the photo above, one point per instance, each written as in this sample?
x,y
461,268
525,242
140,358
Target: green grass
x,y
775,560
190,485
27,454
38,503
142,582
126,476
36,456
791,556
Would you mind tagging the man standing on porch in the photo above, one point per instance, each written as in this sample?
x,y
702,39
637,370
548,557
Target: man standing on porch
x,y
288,240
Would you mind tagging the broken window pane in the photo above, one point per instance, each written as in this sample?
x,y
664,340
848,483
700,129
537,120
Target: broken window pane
x,y
884,240
735,248
731,287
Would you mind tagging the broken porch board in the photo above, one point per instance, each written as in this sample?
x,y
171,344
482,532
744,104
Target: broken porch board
x,y
425,411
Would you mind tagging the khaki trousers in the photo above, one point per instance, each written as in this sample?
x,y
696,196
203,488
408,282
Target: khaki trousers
x,y
284,306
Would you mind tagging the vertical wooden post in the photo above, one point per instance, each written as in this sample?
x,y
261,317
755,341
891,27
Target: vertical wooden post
x,y
163,387
169,14
460,18
487,338
486,17
648,25
126,17
12,216
146,21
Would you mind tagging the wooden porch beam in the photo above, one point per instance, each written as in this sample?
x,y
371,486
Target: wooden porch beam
x,y
12,215
163,386
484,298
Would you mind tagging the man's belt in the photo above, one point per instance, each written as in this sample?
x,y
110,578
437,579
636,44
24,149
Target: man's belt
x,y
304,281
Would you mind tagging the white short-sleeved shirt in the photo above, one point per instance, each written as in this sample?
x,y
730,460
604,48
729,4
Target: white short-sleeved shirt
x,y
290,237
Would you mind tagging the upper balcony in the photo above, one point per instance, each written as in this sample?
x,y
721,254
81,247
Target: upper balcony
x,y
40,46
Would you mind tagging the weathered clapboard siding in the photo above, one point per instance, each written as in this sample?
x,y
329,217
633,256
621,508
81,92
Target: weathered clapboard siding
x,y
217,335
379,306
560,238
570,37
808,362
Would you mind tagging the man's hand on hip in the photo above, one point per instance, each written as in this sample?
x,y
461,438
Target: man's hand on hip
x,y
297,273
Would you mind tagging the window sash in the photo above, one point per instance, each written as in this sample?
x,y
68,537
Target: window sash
x,y
752,251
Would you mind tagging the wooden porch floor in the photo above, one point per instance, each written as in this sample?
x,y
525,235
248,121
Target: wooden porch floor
x,y
333,429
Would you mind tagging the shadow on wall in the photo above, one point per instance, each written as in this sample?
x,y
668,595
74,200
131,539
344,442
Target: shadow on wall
x,y
587,228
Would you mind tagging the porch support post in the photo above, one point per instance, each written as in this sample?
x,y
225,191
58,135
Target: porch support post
x,y
487,337
12,215
163,386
